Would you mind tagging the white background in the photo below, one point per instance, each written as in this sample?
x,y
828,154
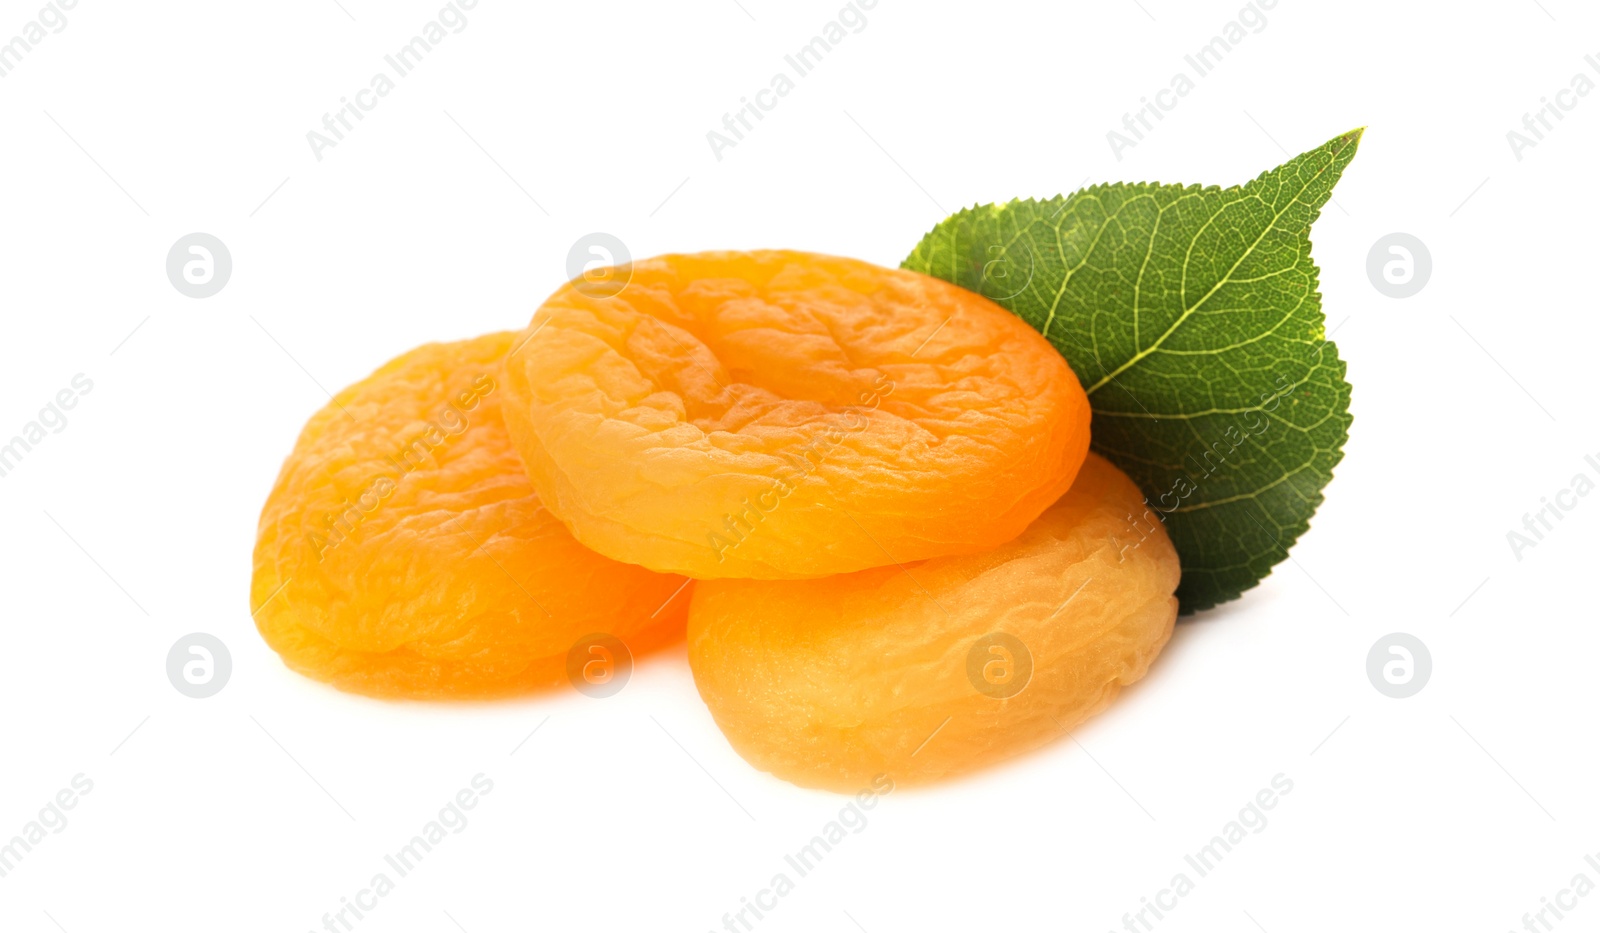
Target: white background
x,y
260,808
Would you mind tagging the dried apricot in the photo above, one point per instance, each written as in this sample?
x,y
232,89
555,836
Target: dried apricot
x,y
940,666
782,415
402,551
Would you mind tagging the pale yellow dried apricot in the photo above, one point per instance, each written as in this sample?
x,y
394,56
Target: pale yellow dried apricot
x,y
938,667
402,551
783,415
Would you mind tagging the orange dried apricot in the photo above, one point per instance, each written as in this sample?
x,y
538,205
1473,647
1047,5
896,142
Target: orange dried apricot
x,y
937,667
783,415
403,552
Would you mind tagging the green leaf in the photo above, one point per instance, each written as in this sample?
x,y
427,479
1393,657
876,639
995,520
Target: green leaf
x,y
1192,317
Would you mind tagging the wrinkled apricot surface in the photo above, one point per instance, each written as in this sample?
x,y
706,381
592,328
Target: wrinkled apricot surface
x,y
784,415
402,551
828,683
